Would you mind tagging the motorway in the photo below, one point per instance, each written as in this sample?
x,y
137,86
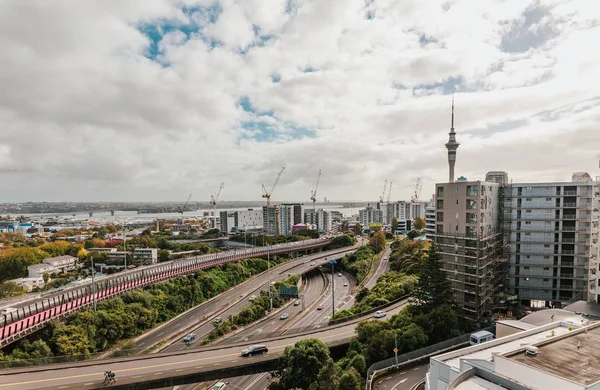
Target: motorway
x,y
314,319
228,303
90,374
403,380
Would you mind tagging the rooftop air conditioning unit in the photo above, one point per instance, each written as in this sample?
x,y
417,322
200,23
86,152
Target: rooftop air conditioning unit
x,y
531,350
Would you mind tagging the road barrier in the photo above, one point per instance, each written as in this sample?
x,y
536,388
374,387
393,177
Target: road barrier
x,y
27,319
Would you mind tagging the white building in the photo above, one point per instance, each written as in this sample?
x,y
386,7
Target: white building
x,y
38,270
320,219
231,221
290,215
29,283
370,215
63,263
562,354
553,241
417,209
101,250
430,222
148,255
271,219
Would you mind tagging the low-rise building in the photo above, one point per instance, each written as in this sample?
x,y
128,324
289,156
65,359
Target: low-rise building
x,y
101,250
560,354
148,255
63,263
117,256
29,283
38,270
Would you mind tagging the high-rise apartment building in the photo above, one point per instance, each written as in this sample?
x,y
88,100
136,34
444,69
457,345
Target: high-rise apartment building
x,y
290,215
553,241
499,177
417,209
271,219
370,215
469,239
320,219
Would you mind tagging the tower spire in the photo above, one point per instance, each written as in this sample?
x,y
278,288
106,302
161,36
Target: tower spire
x,y
452,145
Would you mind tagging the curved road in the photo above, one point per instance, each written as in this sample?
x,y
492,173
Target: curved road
x,y
87,375
200,319
403,380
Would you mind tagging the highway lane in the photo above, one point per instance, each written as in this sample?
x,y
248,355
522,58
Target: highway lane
x,y
204,314
382,268
89,374
403,380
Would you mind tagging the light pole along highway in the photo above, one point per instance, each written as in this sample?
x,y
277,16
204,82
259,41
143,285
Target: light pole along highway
x,y
332,262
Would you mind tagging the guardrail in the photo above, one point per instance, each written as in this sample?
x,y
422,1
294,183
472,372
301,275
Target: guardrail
x,y
28,319
431,350
373,310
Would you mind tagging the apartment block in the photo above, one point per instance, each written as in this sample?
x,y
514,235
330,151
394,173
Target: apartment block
x,y
400,210
290,214
319,219
469,239
430,222
553,241
147,255
272,220
227,221
370,215
417,209
499,177
231,221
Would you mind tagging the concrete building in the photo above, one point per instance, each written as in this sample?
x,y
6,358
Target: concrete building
x,y
430,222
417,209
319,219
370,215
553,241
38,270
400,209
101,250
404,226
271,219
62,263
499,177
336,216
117,256
290,215
232,221
561,354
29,284
470,242
147,255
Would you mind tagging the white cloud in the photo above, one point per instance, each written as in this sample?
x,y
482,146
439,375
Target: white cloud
x,y
355,90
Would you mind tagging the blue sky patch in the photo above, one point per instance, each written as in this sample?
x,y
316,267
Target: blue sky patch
x,y
263,131
451,84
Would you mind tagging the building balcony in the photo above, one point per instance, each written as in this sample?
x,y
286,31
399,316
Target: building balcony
x,y
566,287
567,252
568,228
570,193
567,239
569,216
569,205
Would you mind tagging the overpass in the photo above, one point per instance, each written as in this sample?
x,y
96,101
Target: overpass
x,y
37,313
173,368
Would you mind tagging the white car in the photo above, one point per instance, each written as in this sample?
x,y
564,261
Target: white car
x,y
284,316
252,298
297,303
379,314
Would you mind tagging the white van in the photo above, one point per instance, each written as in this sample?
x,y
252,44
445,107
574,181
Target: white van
x,y
218,386
480,337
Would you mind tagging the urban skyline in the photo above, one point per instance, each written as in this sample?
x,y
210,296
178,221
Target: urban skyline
x,y
173,98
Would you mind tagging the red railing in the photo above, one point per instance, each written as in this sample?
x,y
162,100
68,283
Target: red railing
x,y
40,312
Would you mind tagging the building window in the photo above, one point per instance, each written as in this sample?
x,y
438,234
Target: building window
x,y
546,245
525,267
527,256
546,268
440,217
440,203
528,188
527,245
546,280
457,202
548,210
528,199
548,199
548,222
440,192
528,211
528,234
547,234
527,222
456,188
546,257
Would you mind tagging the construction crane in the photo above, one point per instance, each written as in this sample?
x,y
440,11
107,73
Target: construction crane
x,y
418,186
389,193
267,194
313,193
213,202
383,193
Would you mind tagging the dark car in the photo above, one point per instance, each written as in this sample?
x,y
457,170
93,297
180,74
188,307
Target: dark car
x,y
189,337
255,350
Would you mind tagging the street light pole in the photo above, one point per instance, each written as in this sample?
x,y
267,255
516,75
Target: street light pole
x,y
332,262
93,283
269,275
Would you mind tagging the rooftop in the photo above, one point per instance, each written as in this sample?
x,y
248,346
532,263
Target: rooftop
x,y
575,357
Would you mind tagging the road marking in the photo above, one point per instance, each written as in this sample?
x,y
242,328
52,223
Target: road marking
x,y
399,383
89,384
138,368
217,364
137,376
416,368
157,373
181,369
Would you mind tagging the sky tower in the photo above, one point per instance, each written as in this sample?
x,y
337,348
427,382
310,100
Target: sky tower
x,y
452,145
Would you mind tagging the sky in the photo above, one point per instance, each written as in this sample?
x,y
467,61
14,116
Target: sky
x,y
122,100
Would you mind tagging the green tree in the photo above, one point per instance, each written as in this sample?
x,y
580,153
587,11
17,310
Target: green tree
x,y
377,242
394,225
412,234
358,229
433,288
300,364
163,255
350,380
375,227
419,223
11,289
329,377
359,363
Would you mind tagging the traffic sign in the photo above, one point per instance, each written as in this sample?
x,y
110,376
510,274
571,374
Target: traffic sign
x,y
395,350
